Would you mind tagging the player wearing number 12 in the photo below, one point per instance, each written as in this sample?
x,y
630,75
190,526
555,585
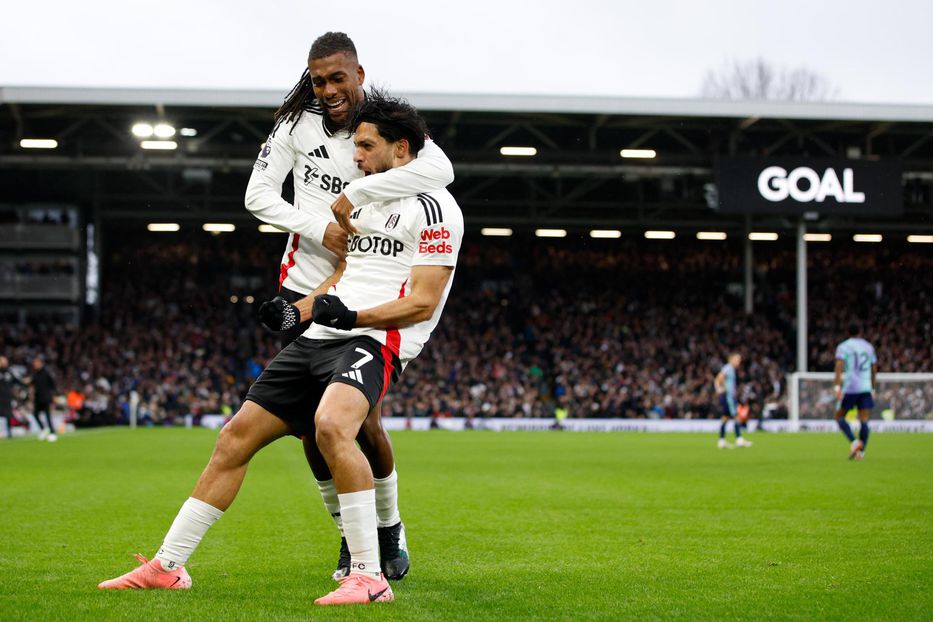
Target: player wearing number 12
x,y
854,386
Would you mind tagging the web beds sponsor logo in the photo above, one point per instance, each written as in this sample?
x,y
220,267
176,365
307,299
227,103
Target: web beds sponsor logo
x,y
435,241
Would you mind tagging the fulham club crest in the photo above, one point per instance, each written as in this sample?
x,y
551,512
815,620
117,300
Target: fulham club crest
x,y
392,222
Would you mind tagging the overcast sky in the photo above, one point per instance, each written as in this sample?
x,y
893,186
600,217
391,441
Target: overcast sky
x,y
870,51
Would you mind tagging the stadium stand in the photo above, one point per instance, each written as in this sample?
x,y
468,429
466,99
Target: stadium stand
x,y
602,328
629,327
167,338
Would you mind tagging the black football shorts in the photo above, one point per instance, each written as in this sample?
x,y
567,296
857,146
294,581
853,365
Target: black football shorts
x,y
292,385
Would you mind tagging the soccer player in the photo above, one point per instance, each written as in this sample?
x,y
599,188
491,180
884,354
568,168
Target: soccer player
x,y
726,390
398,274
854,387
310,140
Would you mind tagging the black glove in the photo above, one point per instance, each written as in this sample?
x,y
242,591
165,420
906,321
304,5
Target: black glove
x,y
278,314
330,311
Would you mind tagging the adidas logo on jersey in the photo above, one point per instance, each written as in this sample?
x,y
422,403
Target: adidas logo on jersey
x,y
432,209
320,152
353,374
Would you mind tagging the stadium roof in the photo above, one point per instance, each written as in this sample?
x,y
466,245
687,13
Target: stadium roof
x,y
471,102
576,179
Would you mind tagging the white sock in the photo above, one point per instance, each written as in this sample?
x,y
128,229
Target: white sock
x,y
329,495
387,500
194,519
358,510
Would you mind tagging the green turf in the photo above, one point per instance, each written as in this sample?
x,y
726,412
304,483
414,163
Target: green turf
x,y
506,526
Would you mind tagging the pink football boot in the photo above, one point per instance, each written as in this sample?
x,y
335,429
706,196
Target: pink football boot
x,y
150,575
359,589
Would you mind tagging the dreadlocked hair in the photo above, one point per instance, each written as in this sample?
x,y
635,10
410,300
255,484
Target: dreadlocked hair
x,y
299,99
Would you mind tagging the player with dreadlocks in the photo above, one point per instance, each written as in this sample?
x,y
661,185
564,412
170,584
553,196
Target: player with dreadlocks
x,y
298,100
310,140
399,272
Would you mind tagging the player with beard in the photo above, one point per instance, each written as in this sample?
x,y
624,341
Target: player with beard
x,y
398,273
310,140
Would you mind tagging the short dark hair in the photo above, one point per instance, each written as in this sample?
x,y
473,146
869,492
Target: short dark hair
x,y
854,329
332,43
393,117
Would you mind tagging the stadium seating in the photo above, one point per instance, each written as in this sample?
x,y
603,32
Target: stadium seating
x,y
602,328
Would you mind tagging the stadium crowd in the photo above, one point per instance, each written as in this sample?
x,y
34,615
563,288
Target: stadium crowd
x,y
167,341
627,332
597,328
898,290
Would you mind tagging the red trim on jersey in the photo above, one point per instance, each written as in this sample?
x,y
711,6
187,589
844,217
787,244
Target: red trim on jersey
x,y
390,350
283,271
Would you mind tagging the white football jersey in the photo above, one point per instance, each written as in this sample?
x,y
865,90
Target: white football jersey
x,y
321,162
424,230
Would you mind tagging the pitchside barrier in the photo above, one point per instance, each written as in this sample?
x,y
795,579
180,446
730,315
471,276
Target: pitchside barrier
x,y
58,422
903,403
708,426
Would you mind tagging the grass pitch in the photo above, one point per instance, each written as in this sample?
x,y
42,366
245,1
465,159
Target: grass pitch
x,y
502,526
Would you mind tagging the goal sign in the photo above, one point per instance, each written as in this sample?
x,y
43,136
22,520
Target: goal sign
x,y
799,185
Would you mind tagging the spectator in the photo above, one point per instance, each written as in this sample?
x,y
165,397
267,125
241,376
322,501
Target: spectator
x,y
650,326
43,387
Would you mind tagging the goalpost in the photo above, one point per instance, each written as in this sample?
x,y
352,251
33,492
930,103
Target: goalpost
x,y
903,402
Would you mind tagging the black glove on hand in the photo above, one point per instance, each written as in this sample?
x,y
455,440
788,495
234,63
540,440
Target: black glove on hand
x,y
329,311
278,314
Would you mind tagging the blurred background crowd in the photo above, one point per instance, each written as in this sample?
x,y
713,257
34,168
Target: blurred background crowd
x,y
597,328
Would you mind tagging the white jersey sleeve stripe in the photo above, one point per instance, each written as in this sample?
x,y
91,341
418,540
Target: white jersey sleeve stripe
x,y
427,213
435,205
432,209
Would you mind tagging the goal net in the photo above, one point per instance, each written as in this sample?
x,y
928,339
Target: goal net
x,y
902,401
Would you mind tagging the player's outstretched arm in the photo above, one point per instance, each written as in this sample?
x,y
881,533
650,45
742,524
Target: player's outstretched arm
x,y
427,287
431,170
264,196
